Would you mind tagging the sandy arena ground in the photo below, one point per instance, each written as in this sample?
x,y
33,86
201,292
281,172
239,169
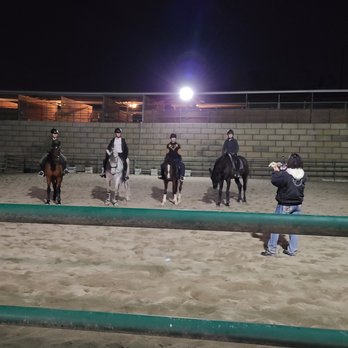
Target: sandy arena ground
x,y
200,274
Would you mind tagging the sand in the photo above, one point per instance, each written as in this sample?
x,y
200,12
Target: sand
x,y
200,274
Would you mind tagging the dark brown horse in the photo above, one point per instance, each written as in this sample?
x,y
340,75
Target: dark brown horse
x,y
225,170
54,174
171,173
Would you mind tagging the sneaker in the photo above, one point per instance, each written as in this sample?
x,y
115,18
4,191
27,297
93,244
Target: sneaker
x,y
41,173
65,171
181,178
102,174
287,252
267,253
125,178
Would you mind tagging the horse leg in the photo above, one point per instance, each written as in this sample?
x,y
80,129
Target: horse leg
x,y
164,199
221,184
179,191
48,191
114,197
57,190
175,191
228,185
239,189
245,180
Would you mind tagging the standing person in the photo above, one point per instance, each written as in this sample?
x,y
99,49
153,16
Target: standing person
x,y
290,193
50,143
173,156
231,147
117,145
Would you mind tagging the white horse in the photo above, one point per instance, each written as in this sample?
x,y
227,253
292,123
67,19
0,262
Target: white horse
x,y
114,183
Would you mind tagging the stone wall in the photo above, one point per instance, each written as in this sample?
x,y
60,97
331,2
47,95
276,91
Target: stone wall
x,y
85,143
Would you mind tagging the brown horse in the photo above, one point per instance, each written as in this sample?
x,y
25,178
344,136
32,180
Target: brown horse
x,y
54,174
171,174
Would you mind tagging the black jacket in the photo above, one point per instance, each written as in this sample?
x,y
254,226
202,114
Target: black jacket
x,y
291,184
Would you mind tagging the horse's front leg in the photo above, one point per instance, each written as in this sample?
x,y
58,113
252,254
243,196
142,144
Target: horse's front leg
x,y
164,199
239,189
48,194
221,185
58,200
56,187
179,190
245,180
48,191
228,198
175,191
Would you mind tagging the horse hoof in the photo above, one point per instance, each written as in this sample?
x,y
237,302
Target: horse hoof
x,y
59,202
218,204
227,204
47,203
107,202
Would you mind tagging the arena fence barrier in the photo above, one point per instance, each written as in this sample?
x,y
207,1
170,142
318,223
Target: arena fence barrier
x,y
176,219
280,335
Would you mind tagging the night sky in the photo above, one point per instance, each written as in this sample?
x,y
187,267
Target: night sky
x,y
160,45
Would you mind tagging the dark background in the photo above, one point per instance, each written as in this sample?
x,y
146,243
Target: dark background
x,y
157,46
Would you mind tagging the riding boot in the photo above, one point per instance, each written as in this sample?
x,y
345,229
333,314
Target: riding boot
x,y
102,174
124,172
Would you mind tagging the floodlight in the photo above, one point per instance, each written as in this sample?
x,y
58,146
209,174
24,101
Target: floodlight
x,y
186,93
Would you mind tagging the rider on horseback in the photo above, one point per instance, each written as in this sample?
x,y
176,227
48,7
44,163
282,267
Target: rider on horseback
x,y
173,156
117,145
231,147
51,143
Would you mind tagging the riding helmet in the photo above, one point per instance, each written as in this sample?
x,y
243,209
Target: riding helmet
x,y
118,130
230,131
54,131
173,135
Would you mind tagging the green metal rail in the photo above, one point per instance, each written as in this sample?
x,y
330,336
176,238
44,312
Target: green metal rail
x,y
280,335
176,219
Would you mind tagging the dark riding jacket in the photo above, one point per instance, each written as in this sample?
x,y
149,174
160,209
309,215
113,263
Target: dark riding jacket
x,y
230,146
291,184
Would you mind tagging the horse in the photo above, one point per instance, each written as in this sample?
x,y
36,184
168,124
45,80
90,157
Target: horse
x,y
54,174
171,173
224,170
114,182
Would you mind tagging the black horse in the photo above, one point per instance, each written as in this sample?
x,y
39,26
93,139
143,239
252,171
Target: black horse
x,y
225,170
171,173
54,174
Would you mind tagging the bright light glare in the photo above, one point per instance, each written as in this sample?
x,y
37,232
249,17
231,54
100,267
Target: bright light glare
x,y
186,93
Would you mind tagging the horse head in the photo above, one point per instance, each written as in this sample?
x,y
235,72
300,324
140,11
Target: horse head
x,y
115,163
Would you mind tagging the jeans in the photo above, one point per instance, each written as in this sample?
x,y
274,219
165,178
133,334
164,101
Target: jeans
x,y
293,238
